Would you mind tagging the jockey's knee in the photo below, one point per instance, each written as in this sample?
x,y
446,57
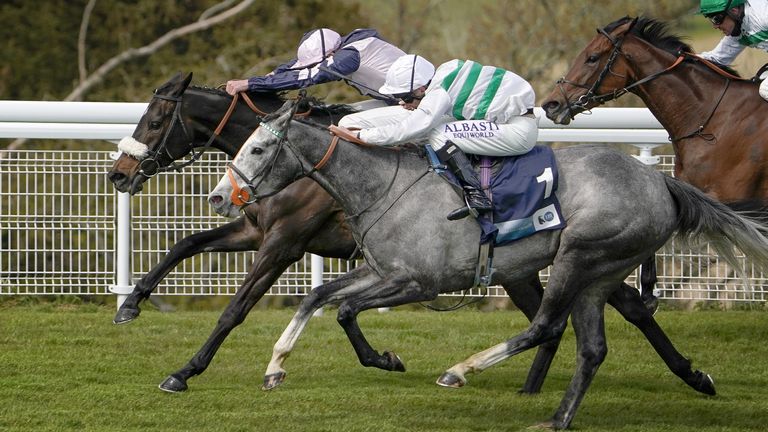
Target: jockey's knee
x,y
350,122
764,89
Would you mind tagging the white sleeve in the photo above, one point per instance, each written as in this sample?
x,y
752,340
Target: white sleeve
x,y
429,113
725,52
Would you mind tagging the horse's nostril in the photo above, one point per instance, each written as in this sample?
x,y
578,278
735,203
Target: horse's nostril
x,y
115,176
215,199
550,105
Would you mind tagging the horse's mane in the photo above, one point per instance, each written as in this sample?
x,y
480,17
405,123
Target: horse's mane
x,y
278,96
319,108
657,34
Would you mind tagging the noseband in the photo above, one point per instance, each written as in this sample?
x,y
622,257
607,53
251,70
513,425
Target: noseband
x,y
591,96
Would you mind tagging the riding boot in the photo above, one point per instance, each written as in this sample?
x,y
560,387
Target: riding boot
x,y
477,201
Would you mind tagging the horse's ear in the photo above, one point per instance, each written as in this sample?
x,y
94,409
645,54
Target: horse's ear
x,y
624,27
180,84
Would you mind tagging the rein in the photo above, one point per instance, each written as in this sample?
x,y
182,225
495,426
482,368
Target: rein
x,y
150,166
241,196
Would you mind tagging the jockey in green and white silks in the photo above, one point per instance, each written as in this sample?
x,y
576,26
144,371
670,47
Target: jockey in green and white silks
x,y
744,23
461,107
483,110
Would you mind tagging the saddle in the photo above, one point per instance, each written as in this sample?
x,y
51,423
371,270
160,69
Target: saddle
x,y
522,189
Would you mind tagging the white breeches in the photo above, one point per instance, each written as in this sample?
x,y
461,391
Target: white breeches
x,y
480,137
764,89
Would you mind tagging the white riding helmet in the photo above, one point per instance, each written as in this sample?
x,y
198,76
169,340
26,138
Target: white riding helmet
x,y
407,73
315,46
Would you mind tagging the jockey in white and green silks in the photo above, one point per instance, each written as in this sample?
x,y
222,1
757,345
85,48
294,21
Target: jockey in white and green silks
x,y
462,106
744,23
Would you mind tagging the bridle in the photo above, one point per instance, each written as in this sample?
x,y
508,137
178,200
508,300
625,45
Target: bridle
x,y
591,96
150,166
242,196
247,195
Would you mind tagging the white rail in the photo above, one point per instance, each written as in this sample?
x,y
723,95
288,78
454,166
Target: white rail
x,y
691,275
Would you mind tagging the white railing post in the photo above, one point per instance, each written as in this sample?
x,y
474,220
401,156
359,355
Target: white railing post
x,y
646,155
123,273
317,265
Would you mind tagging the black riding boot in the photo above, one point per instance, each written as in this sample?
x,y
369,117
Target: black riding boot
x,y
477,201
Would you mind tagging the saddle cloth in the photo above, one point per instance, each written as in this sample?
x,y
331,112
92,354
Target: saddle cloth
x,y
522,189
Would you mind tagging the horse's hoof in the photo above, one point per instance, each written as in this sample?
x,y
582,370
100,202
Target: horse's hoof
x,y
173,385
273,380
705,383
448,379
395,363
125,315
547,425
652,304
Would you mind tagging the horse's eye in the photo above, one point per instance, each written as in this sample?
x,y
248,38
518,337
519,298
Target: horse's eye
x,y
155,125
257,151
593,58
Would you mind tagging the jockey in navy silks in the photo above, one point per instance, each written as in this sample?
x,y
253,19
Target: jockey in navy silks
x,y
362,57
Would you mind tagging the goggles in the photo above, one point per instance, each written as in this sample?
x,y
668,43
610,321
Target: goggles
x,y
407,97
718,18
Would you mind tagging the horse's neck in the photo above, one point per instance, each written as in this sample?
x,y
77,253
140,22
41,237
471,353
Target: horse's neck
x,y
209,109
361,178
680,99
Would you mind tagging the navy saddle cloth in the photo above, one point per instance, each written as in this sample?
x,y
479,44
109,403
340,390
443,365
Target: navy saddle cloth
x,y
523,192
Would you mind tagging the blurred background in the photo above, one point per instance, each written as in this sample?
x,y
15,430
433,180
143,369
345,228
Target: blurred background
x,y
120,50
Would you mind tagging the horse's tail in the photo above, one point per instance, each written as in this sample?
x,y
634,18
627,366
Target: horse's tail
x,y
701,217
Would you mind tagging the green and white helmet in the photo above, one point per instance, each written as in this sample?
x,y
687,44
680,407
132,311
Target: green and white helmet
x,y
711,7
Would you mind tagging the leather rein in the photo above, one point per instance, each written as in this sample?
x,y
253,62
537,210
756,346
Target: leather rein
x,y
150,165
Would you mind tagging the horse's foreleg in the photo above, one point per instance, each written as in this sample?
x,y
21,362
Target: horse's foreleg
x,y
527,297
335,290
627,301
238,235
589,325
263,274
390,292
648,281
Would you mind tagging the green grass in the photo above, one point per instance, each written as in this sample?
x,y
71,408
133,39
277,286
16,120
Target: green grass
x,y
67,367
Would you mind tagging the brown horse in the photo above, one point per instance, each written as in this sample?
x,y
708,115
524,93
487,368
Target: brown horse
x,y
301,218
713,117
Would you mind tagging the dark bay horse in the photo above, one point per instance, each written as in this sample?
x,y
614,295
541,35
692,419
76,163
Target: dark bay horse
x,y
715,120
302,218
412,253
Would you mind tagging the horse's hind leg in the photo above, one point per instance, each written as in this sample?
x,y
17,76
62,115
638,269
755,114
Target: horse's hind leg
x,y
527,297
359,278
588,322
238,235
648,281
627,301
548,325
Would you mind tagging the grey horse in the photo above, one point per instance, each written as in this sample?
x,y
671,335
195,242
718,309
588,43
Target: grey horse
x,y
412,253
